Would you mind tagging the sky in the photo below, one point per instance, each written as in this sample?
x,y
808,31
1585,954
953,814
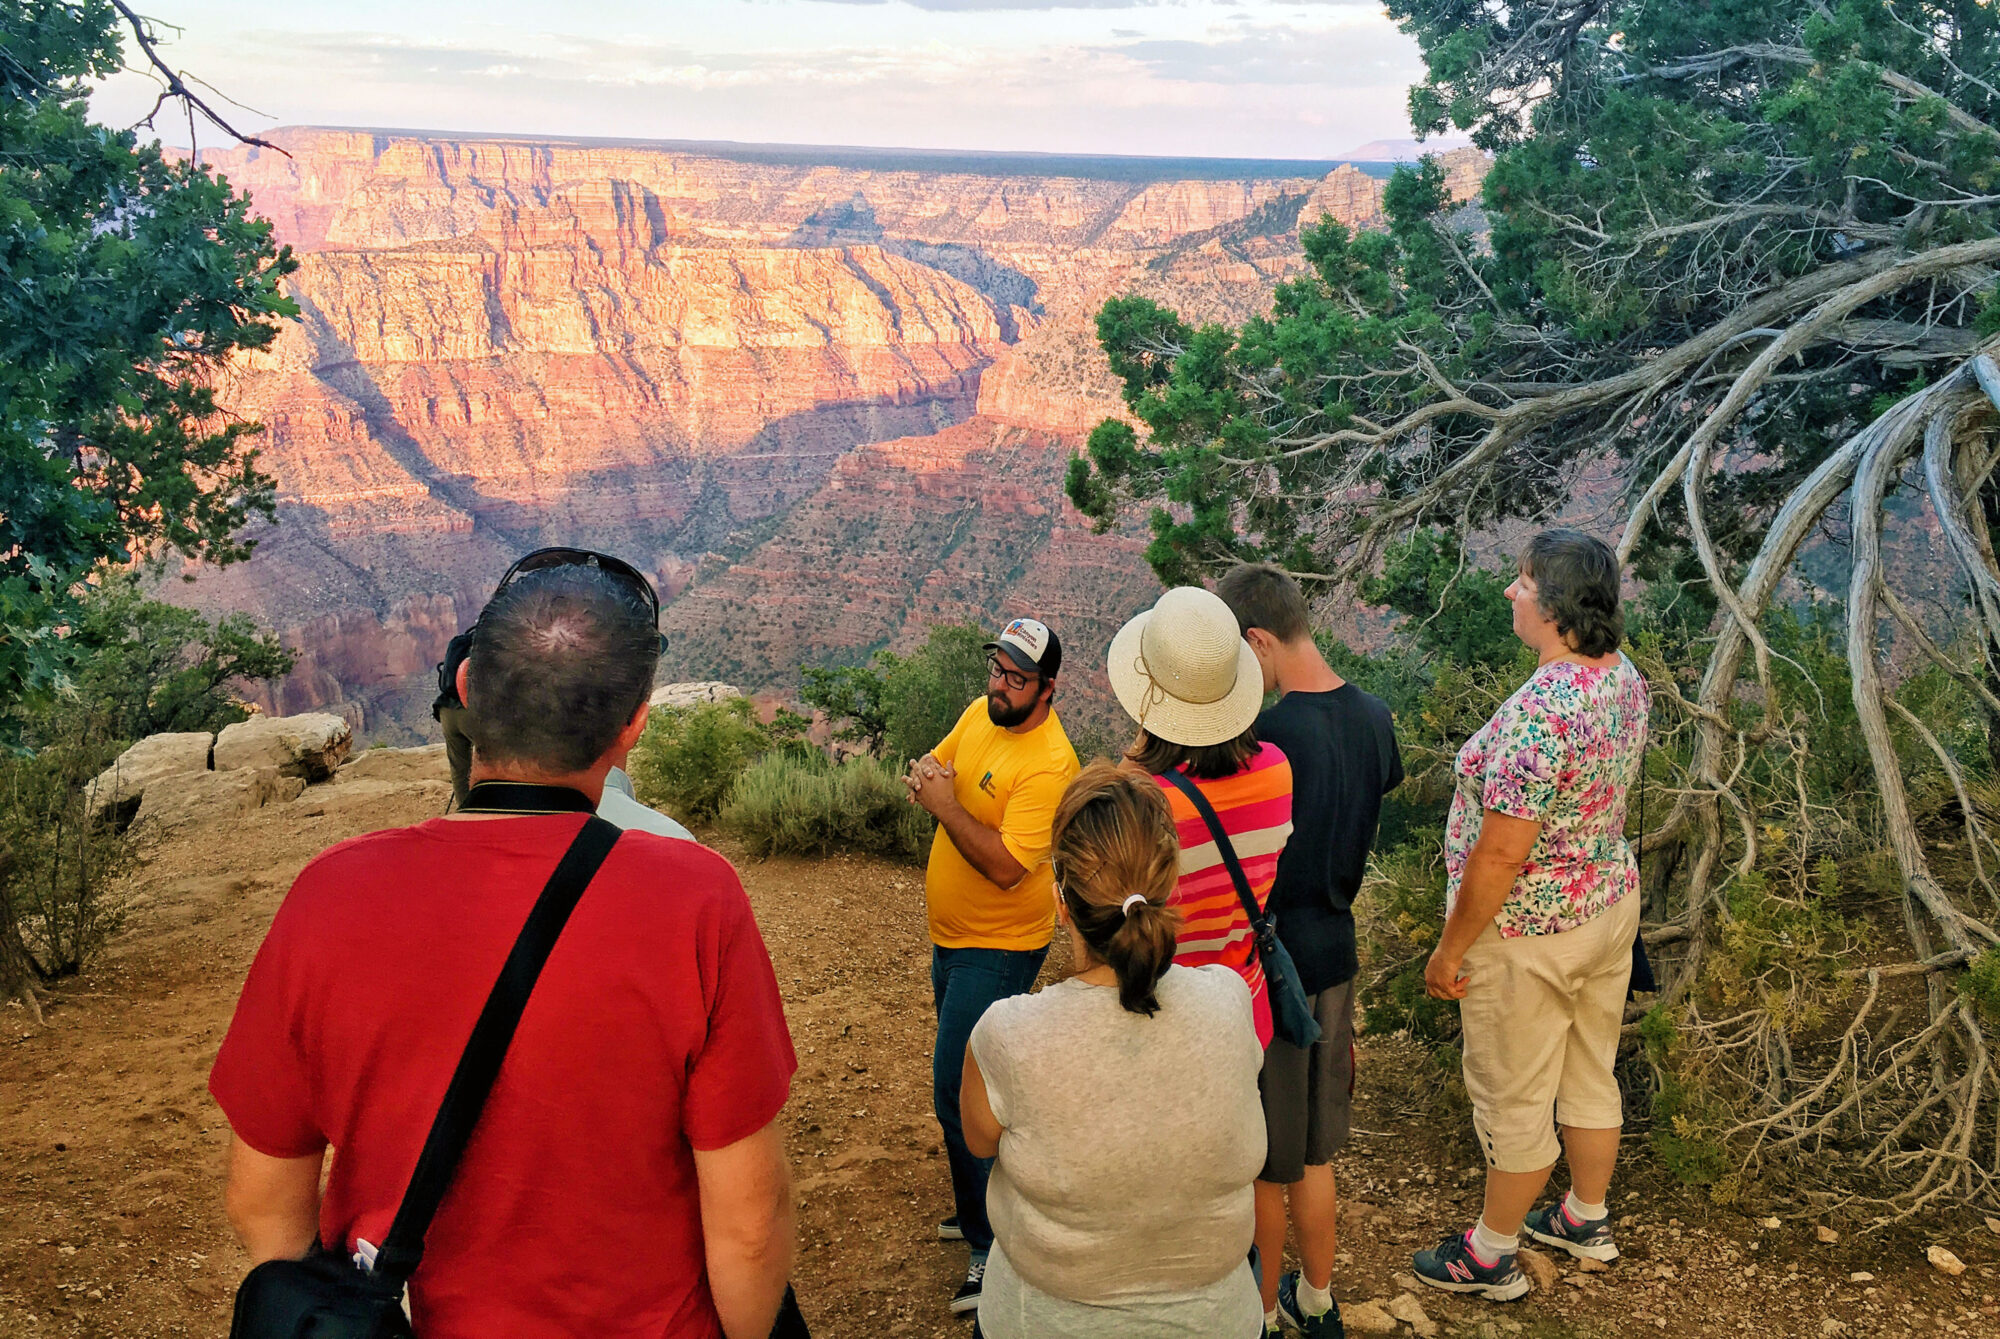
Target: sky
x,y
1210,78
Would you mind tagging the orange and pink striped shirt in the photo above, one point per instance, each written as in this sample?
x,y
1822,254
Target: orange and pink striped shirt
x,y
1254,807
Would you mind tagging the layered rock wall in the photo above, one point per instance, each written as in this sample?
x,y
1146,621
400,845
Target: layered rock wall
x,y
690,358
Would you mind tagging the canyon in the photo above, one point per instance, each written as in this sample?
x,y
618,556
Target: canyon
x,y
825,397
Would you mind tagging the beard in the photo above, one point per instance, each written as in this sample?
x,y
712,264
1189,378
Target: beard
x,y
1005,716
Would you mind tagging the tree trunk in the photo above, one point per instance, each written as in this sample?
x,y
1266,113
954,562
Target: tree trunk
x,y
17,975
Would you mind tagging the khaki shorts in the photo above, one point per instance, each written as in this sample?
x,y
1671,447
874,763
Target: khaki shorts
x,y
1308,1094
1541,1019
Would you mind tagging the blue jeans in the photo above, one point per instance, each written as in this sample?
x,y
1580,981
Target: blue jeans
x,y
963,982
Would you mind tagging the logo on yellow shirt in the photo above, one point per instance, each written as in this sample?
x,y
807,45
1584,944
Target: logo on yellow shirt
x,y
986,784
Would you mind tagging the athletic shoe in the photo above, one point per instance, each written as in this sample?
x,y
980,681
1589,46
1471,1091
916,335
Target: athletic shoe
x,y
949,1230
1326,1325
967,1297
1452,1266
1584,1239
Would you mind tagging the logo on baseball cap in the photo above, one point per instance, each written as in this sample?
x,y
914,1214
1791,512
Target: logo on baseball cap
x,y
1031,646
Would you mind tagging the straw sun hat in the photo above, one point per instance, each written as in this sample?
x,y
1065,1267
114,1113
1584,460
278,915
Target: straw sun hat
x,y
1183,671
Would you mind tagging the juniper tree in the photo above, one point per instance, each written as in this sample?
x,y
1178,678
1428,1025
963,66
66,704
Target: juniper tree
x,y
1743,255
127,284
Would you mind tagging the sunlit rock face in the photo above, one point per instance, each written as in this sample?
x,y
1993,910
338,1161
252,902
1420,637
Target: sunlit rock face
x,y
824,403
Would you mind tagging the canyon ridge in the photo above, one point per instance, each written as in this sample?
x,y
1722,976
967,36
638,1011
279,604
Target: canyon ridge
x,y
825,396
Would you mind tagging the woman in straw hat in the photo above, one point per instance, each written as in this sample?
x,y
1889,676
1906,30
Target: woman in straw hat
x,y
1183,672
1121,1104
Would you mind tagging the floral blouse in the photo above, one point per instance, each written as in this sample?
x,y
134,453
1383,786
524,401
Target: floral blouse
x,y
1563,751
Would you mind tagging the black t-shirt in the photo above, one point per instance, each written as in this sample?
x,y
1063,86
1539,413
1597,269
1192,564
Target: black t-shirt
x,y
1342,747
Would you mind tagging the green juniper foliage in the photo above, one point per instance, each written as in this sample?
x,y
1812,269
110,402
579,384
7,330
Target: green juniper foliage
x,y
899,707
1661,168
151,667
1730,272
690,757
127,283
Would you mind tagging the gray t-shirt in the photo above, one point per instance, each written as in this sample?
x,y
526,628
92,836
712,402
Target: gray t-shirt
x,y
1128,1149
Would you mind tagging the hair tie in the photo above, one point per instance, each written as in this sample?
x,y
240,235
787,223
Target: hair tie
x,y
1127,907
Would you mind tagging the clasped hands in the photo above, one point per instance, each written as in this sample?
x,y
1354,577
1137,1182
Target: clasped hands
x,y
932,784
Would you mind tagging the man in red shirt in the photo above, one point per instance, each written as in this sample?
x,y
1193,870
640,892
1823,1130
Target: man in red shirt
x,y
626,1177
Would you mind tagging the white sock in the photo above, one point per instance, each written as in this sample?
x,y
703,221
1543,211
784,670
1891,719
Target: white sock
x,y
1493,1245
1314,1301
1271,1319
1583,1213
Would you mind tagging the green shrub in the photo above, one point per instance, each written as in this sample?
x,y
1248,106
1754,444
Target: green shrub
x,y
899,707
1981,983
1688,1121
1399,916
924,693
59,865
792,805
689,757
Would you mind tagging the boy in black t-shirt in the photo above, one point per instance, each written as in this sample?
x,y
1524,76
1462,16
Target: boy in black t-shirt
x,y
1343,753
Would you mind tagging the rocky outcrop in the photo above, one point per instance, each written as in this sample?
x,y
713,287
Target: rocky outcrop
x,y
208,796
426,763
120,789
693,694
309,746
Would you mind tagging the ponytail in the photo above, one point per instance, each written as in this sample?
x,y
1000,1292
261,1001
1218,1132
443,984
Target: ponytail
x,y
1140,951
1117,858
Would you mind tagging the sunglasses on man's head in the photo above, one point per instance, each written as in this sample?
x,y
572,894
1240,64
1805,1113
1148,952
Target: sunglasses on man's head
x,y
542,559
1013,678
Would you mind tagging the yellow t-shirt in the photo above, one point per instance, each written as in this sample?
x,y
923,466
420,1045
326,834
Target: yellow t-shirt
x,y
1011,783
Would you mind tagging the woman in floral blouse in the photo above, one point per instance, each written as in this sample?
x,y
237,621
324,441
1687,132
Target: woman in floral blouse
x,y
1540,914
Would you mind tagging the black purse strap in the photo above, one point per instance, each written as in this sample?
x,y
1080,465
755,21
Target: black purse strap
x,y
1178,779
403,1248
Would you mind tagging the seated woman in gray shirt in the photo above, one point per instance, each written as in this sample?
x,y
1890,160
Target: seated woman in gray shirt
x,y
1121,1104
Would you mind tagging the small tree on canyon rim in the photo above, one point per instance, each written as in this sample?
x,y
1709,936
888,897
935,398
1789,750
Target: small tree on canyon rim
x,y
127,284
1733,274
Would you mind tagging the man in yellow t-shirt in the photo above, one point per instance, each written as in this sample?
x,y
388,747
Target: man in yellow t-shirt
x,y
993,786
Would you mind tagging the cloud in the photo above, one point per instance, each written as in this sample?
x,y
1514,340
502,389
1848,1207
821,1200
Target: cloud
x,y
975,6
1280,55
1195,87
987,6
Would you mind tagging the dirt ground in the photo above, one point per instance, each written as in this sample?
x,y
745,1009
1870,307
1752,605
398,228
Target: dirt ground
x,y
111,1152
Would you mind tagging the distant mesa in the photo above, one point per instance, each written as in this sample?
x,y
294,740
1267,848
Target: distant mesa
x,y
1404,150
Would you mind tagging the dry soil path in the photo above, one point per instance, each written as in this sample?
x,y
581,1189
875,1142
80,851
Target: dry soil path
x,y
111,1152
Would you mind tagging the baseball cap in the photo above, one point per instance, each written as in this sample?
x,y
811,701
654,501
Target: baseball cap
x,y
1031,646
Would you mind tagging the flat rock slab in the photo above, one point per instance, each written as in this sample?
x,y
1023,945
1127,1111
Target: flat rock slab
x,y
121,787
1368,1318
427,763
210,796
348,796
1406,1308
309,746
693,694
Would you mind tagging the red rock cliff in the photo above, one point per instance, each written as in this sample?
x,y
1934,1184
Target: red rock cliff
x,y
685,357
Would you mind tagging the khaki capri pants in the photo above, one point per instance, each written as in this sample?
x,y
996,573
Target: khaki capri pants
x,y
1540,1022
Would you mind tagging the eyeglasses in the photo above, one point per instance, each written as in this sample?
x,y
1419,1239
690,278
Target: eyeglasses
x,y
543,559
1014,679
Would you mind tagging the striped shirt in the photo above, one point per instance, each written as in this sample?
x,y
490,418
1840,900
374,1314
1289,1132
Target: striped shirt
x,y
1254,807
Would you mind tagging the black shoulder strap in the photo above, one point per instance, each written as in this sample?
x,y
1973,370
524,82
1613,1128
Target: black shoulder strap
x,y
403,1248
1178,779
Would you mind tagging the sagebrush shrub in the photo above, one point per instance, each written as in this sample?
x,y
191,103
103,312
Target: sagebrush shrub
x,y
788,804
